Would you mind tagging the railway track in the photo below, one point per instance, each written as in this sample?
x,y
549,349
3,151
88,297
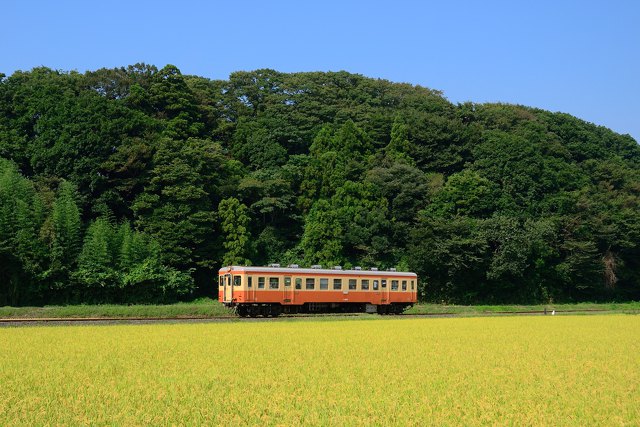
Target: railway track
x,y
228,318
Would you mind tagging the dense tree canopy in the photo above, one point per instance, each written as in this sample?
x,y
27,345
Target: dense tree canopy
x,y
135,184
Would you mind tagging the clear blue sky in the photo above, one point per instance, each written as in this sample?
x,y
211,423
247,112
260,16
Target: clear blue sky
x,y
578,57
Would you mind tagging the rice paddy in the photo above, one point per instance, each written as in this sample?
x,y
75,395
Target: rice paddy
x,y
561,370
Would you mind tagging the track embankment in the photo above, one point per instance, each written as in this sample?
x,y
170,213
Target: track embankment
x,y
61,321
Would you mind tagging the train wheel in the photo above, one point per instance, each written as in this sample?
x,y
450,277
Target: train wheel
x,y
242,311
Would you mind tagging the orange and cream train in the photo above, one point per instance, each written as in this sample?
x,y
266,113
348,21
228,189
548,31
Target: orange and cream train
x,y
270,291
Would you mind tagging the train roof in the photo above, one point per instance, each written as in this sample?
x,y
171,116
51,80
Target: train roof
x,y
315,271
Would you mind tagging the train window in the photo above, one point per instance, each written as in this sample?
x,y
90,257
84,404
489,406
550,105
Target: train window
x,y
249,281
412,285
298,283
274,282
384,283
237,280
337,284
324,283
352,284
375,285
260,282
311,283
394,285
404,285
365,284
287,282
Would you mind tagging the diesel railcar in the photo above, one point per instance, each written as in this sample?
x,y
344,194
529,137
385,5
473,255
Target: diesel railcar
x,y
272,290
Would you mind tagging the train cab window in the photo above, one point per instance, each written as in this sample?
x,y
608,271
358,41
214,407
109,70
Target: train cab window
x,y
324,283
311,283
287,282
249,281
260,282
337,284
365,284
352,284
384,283
404,285
394,284
274,282
298,283
237,280
412,285
375,285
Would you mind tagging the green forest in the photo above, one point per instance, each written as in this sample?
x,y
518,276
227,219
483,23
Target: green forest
x,y
135,184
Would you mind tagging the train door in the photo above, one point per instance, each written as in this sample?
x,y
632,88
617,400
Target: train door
x,y
288,296
297,288
384,288
228,288
377,295
250,288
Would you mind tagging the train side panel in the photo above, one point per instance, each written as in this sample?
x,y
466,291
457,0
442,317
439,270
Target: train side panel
x,y
239,285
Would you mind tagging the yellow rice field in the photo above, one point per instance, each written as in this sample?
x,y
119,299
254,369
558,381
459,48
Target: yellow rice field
x,y
560,370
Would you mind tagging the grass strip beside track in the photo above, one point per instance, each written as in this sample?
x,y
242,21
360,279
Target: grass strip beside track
x,y
204,308
478,310
208,308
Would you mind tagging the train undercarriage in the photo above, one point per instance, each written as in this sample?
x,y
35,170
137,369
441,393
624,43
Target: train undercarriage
x,y
275,309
